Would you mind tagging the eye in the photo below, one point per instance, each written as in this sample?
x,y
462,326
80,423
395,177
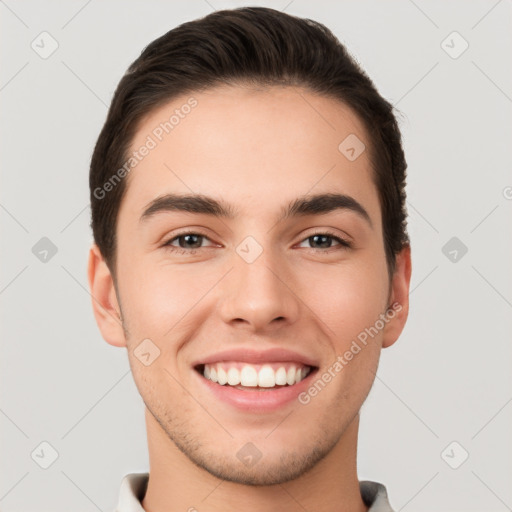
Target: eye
x,y
324,241
193,240
187,240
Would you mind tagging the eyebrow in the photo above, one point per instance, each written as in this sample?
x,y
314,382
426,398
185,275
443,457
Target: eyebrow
x,y
318,204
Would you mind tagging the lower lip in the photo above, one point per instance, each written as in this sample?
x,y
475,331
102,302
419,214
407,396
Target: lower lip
x,y
258,400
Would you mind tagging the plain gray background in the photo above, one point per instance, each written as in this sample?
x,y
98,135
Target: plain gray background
x,y
448,378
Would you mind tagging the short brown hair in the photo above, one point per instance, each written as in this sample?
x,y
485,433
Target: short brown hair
x,y
256,46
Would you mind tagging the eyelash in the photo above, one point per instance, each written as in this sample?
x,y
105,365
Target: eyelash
x,y
343,244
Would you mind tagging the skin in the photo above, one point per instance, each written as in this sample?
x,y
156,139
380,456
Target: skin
x,y
257,150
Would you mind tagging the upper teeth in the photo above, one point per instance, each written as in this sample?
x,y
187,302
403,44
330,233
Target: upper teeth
x,y
265,376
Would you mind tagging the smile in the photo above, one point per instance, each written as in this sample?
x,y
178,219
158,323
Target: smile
x,y
255,376
254,388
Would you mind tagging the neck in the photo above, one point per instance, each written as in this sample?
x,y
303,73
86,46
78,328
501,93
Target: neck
x,y
177,484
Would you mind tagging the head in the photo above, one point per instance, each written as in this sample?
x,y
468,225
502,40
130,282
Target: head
x,y
292,235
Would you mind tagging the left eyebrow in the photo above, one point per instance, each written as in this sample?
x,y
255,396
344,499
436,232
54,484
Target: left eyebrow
x,y
318,204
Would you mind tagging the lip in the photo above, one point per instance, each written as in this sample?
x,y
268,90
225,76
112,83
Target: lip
x,y
245,355
257,401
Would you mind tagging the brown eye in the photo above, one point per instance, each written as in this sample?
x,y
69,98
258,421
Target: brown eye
x,y
186,241
323,241
190,241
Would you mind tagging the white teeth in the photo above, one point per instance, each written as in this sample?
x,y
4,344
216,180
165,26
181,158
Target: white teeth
x,y
248,376
290,376
268,375
222,377
281,376
233,377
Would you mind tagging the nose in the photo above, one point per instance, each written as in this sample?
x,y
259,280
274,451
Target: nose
x,y
259,296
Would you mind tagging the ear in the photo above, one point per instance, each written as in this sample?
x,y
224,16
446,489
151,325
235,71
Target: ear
x,y
104,299
398,298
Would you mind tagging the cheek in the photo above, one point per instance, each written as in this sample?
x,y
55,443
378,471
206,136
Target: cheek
x,y
164,302
348,298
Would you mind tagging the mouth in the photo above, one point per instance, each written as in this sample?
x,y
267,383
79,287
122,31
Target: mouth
x,y
249,387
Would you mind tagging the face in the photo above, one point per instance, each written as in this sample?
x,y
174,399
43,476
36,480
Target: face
x,y
267,300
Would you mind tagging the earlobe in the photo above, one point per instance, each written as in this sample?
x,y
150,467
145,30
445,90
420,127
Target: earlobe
x,y
399,298
104,299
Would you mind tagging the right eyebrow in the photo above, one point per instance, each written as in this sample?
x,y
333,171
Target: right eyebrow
x,y
196,203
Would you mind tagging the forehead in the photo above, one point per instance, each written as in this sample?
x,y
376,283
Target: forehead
x,y
250,147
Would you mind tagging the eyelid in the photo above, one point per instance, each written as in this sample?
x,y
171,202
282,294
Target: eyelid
x,y
188,231
330,232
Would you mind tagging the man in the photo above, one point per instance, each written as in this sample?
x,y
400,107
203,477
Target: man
x,y
251,253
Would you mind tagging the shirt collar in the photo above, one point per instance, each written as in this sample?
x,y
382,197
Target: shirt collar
x,y
134,485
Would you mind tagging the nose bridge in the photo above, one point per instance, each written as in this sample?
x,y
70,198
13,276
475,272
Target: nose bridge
x,y
257,293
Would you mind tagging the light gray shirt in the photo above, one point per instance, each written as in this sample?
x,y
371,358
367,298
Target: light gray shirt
x,y
134,485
